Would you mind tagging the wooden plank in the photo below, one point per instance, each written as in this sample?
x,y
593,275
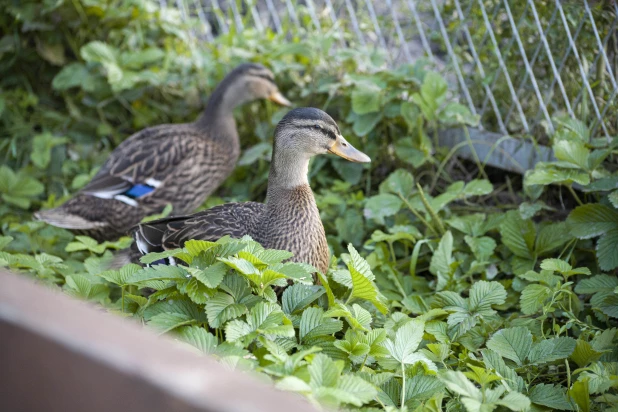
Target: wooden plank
x,y
61,354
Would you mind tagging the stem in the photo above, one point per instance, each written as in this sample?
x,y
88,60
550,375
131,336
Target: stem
x,y
418,215
403,385
566,362
430,210
577,199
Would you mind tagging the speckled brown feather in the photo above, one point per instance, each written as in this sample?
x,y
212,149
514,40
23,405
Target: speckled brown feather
x,y
186,162
291,223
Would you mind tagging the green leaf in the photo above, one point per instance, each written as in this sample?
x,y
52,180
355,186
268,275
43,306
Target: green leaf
x,y
41,148
457,382
164,322
380,206
551,237
297,297
551,396
518,234
211,276
313,324
407,339
483,294
366,98
533,298
366,123
512,343
223,307
240,265
442,259
400,182
580,394
477,187
362,286
515,401
607,250
584,354
199,338
549,350
120,277
573,152
598,283
592,220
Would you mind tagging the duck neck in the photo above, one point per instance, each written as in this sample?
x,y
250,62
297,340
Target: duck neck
x,y
220,107
288,171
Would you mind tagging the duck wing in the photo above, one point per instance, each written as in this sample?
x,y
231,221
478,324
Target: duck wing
x,y
230,219
140,164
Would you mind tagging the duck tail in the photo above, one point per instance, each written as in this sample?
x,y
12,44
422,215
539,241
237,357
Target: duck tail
x,y
60,217
149,236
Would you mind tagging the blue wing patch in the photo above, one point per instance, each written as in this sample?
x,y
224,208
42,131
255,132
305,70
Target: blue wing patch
x,y
138,191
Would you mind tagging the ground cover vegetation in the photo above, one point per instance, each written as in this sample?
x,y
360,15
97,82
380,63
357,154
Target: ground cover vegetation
x,y
451,287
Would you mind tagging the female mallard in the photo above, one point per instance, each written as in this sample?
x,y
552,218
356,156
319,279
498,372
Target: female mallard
x,y
179,164
289,219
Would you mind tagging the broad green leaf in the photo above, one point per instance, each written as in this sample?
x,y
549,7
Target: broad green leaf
x,y
366,98
574,152
298,296
515,401
362,286
551,396
407,339
313,323
580,394
533,298
549,350
584,354
598,283
400,182
443,256
483,294
380,206
512,343
457,382
164,322
199,338
223,307
518,234
592,220
607,250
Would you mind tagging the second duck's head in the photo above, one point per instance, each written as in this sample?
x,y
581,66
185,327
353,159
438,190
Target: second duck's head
x,y
247,82
307,131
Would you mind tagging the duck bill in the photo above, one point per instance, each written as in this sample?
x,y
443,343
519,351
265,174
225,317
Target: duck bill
x,y
278,98
344,149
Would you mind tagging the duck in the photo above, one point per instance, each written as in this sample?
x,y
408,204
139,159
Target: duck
x,y
177,164
289,218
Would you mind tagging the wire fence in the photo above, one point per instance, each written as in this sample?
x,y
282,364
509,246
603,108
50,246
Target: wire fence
x,y
517,64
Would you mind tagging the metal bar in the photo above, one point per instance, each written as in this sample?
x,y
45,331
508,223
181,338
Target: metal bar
x,y
291,12
374,21
218,13
255,14
503,67
449,48
522,51
608,67
274,15
581,67
355,26
203,19
550,56
507,49
313,14
419,27
237,18
479,66
403,45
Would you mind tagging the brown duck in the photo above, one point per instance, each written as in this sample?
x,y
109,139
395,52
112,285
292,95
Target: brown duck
x,y
289,219
177,164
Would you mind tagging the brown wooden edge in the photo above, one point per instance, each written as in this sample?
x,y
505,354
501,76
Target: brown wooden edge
x,y
61,354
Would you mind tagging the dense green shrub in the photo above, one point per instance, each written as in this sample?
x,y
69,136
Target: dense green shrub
x,y
476,291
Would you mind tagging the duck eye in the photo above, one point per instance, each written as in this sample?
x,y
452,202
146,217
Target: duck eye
x,y
317,126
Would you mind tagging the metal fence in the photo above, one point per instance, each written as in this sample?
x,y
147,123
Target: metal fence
x,y
519,64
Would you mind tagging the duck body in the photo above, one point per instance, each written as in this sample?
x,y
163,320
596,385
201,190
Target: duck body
x,y
288,220
176,164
